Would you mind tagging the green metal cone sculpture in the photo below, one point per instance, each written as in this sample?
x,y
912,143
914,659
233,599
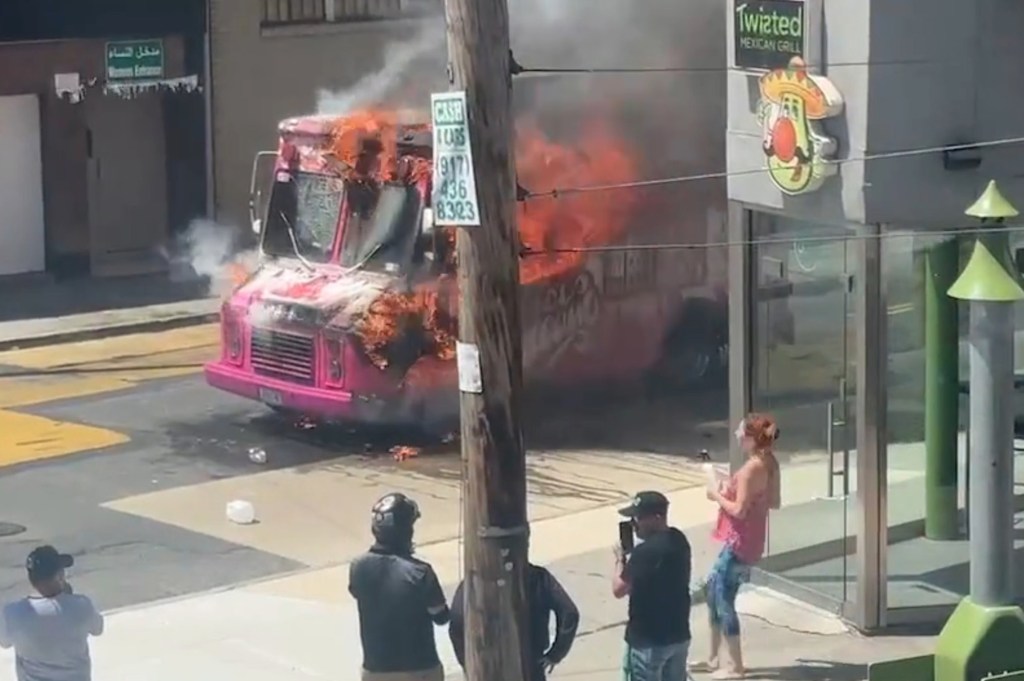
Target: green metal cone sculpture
x,y
986,278
992,205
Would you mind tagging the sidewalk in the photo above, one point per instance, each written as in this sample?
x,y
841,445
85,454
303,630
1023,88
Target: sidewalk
x,y
304,626
28,333
41,312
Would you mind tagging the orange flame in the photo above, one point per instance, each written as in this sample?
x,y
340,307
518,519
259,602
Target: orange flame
x,y
366,144
547,224
404,452
577,220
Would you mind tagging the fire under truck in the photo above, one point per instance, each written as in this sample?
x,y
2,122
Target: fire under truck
x,y
350,315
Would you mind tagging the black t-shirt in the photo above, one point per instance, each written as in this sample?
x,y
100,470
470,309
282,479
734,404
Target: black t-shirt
x,y
394,594
658,572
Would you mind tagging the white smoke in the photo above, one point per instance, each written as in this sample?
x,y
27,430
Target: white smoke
x,y
399,58
209,250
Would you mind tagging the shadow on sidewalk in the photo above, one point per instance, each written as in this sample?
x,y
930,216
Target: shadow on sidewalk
x,y
46,298
810,670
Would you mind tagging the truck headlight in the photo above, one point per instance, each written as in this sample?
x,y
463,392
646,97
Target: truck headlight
x,y
335,372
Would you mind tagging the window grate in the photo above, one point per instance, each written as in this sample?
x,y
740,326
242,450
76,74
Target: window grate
x,y
288,12
280,12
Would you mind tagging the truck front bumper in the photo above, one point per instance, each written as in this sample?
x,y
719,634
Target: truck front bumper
x,y
339,405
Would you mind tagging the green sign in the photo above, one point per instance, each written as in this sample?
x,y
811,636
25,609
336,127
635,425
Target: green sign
x,y
135,60
768,33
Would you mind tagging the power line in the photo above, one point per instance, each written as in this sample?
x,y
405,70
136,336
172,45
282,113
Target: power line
x,y
555,193
951,232
518,69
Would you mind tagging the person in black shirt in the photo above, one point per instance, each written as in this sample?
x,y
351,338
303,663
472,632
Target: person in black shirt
x,y
545,596
399,599
656,577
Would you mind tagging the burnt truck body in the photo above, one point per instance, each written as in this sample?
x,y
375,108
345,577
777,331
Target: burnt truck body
x,y
351,313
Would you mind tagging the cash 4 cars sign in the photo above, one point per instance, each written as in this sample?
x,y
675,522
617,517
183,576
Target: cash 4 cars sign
x,y
798,153
768,33
454,197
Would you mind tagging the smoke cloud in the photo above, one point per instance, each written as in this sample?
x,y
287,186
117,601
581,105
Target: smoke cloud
x,y
211,251
401,57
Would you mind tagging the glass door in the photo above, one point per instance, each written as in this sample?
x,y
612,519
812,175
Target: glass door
x,y
804,360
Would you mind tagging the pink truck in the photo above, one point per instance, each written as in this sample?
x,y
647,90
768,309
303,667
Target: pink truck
x,y
351,314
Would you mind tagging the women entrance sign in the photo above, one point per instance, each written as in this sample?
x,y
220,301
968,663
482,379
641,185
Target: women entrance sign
x,y
454,198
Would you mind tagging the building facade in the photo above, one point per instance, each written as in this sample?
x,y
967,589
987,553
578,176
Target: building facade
x,y
858,133
103,120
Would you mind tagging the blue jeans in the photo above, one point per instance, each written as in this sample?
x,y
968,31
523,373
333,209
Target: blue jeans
x,y
728,573
660,663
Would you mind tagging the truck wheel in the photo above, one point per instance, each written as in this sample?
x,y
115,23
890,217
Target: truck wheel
x,y
695,353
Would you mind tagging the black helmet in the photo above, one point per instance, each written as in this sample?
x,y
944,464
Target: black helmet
x,y
393,517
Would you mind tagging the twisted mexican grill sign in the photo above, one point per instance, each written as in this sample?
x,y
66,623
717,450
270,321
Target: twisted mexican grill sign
x,y
768,33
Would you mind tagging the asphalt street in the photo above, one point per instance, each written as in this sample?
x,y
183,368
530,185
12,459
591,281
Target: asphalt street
x,y
157,432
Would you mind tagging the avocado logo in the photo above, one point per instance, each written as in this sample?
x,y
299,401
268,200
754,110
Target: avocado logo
x,y
793,102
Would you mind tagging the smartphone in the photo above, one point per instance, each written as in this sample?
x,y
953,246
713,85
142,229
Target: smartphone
x,y
626,535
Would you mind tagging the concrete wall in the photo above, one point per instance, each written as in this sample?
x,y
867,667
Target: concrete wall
x,y
261,76
930,74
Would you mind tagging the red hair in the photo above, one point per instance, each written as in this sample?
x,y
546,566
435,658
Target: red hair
x,y
762,429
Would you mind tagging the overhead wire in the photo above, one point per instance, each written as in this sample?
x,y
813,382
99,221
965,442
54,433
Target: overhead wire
x,y
724,174
768,241
518,69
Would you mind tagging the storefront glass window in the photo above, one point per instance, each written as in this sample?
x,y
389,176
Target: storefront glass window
x,y
927,557
803,346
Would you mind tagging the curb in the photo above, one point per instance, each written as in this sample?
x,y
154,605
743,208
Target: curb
x,y
109,331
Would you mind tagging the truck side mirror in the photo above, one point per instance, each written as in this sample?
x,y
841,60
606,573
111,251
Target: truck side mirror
x,y
427,225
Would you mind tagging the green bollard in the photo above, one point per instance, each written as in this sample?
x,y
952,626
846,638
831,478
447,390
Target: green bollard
x,y
941,392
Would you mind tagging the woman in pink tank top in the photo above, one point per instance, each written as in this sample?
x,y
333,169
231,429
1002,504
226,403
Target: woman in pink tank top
x,y
743,505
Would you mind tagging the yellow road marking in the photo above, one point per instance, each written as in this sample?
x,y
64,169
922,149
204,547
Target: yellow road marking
x,y
25,438
113,349
82,369
69,371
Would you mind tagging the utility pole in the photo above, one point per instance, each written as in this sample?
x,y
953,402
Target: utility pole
x,y
490,352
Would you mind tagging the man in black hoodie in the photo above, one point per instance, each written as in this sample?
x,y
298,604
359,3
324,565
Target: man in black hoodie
x,y
399,597
656,577
545,596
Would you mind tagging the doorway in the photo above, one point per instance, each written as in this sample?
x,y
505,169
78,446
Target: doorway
x,y
126,184
803,354
22,249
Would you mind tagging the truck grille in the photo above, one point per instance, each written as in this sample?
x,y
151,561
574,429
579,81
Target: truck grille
x,y
286,356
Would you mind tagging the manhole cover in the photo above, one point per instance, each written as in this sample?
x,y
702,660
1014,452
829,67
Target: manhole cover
x,y
10,529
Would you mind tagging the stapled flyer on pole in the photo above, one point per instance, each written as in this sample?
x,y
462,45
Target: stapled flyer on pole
x,y
454,196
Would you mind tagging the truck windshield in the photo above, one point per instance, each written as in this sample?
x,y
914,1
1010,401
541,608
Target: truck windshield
x,y
382,226
303,216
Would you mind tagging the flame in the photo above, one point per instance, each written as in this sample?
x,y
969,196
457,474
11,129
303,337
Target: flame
x,y
425,315
366,144
577,220
404,452
547,224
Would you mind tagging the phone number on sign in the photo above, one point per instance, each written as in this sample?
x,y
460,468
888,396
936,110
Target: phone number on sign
x,y
454,200
453,209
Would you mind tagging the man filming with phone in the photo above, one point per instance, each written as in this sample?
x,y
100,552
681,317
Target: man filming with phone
x,y
655,575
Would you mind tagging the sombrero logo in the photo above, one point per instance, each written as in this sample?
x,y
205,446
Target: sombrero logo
x,y
793,102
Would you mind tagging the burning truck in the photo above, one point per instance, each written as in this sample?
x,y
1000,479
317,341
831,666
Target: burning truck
x,y
351,314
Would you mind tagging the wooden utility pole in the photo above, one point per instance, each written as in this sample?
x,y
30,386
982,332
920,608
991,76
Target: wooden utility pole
x,y
494,464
